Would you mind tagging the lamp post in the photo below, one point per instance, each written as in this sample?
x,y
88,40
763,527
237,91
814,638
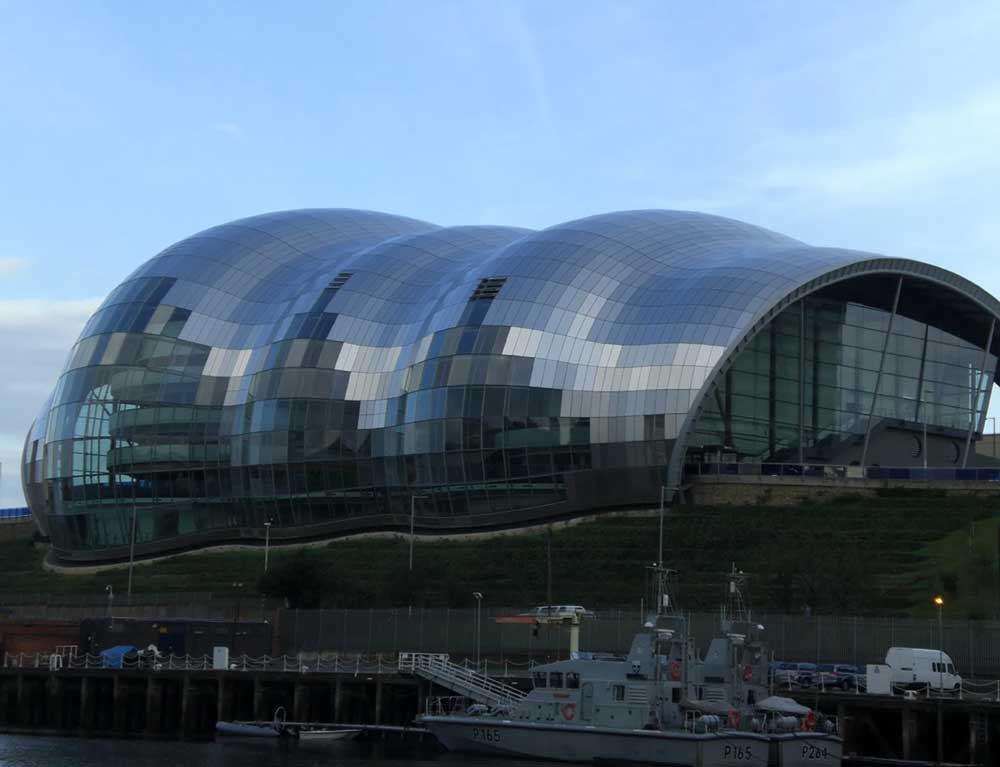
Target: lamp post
x,y
413,514
994,433
111,601
267,541
131,554
659,558
236,615
479,601
939,601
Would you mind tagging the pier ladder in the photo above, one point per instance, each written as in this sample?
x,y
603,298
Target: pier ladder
x,y
436,668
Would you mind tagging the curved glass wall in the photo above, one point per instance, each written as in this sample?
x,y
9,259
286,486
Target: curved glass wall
x,y
321,368
803,390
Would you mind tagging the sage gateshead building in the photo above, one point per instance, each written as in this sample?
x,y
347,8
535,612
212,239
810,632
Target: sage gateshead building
x,y
323,372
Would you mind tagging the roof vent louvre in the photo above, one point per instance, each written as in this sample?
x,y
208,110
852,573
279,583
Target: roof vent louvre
x,y
339,280
487,288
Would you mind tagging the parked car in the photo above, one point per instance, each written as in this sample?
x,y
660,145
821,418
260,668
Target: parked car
x,y
914,668
560,611
794,674
843,676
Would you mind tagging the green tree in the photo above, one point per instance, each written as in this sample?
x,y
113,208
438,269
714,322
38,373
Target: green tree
x,y
306,580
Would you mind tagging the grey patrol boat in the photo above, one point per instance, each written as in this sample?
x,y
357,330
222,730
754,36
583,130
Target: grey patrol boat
x,y
658,705
734,676
661,704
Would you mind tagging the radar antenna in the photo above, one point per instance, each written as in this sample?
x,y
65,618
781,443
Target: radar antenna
x,y
736,607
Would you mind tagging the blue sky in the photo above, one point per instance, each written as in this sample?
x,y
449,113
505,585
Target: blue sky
x,y
127,126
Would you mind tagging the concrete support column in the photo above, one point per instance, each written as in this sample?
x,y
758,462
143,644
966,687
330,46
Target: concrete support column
x,y
300,703
224,700
940,733
378,701
120,702
154,705
87,702
421,696
979,737
338,692
258,701
907,731
188,692
22,718
53,689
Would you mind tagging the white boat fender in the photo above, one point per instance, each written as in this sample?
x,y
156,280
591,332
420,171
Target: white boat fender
x,y
708,722
786,724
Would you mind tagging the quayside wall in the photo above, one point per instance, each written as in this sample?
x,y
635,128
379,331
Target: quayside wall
x,y
974,645
174,702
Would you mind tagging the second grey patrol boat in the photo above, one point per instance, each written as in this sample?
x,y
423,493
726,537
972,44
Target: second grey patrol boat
x,y
661,704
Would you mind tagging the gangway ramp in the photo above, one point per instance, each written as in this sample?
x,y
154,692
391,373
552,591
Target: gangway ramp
x,y
437,668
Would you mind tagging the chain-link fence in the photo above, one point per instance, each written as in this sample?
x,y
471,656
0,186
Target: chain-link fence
x,y
973,645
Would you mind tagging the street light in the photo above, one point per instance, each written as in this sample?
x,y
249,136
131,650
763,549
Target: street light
x,y
413,514
939,601
236,615
111,599
659,559
267,541
994,434
131,554
479,600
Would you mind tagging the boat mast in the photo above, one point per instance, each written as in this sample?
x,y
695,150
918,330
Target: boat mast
x,y
736,608
661,574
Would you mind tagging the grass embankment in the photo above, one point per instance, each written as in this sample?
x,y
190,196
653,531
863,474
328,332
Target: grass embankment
x,y
849,555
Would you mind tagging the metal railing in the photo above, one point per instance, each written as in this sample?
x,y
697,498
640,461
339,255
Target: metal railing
x,y
447,705
986,690
301,663
814,471
439,669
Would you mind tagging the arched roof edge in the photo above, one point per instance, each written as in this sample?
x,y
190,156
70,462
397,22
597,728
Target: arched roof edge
x,y
903,267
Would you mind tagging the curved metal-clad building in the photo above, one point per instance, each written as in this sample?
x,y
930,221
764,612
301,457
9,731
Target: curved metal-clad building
x,y
324,370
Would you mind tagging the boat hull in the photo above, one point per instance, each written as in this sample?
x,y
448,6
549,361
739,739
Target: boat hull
x,y
569,743
247,730
808,749
326,736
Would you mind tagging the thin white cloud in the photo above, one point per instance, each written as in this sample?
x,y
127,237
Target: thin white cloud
x,y
36,335
13,265
522,38
916,153
233,130
46,317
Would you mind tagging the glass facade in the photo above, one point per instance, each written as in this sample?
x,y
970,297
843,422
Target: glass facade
x,y
804,389
321,368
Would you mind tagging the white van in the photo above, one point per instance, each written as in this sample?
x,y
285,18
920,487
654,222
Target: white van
x,y
913,667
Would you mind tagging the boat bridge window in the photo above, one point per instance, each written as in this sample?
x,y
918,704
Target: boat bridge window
x,y
555,679
618,692
541,679
572,680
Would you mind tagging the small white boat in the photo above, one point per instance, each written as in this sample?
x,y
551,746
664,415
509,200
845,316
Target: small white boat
x,y
323,735
270,730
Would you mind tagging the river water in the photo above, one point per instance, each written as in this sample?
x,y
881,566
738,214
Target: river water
x,y
32,751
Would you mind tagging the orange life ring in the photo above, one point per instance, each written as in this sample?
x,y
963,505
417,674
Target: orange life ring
x,y
747,672
675,670
809,723
734,718
569,711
